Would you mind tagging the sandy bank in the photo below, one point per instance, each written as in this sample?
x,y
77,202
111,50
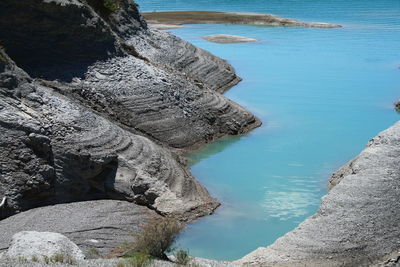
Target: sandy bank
x,y
211,17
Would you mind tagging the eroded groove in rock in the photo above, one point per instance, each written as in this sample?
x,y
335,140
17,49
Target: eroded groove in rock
x,y
196,63
357,223
160,104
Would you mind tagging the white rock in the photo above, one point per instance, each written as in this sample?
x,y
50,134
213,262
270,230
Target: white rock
x,y
28,244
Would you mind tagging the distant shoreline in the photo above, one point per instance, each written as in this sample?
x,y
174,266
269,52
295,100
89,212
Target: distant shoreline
x,y
177,18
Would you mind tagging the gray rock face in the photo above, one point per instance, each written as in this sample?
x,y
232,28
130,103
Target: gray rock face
x,y
29,244
196,65
70,153
111,102
358,222
95,226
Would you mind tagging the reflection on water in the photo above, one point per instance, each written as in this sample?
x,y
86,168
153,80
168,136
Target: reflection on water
x,y
288,205
321,94
210,149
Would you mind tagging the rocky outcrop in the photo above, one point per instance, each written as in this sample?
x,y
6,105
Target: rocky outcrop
x,y
96,227
358,221
43,245
97,105
61,151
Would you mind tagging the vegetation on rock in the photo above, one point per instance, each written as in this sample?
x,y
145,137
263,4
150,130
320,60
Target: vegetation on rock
x,y
397,106
3,58
182,257
156,238
112,5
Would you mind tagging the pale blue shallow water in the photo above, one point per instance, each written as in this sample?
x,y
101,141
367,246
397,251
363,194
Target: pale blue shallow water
x,y
321,94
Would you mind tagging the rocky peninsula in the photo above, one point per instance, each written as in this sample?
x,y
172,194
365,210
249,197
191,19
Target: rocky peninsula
x,y
94,105
213,17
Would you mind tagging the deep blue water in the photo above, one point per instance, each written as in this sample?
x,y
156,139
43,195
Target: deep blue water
x,y
321,94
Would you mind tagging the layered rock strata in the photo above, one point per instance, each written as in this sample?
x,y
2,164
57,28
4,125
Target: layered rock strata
x,y
358,221
94,104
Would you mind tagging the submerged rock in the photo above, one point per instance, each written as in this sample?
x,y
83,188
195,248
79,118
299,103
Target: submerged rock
x,y
228,39
358,221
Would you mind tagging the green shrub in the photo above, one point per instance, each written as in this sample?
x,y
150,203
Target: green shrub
x,y
397,106
112,5
157,237
182,257
94,253
3,58
61,258
136,259
139,260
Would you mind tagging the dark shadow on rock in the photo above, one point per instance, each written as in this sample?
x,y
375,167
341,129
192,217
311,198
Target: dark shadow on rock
x,y
63,41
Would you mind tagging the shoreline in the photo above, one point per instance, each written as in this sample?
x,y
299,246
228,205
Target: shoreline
x,y
178,18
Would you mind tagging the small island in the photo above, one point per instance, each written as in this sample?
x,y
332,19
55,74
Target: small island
x,y
228,39
212,17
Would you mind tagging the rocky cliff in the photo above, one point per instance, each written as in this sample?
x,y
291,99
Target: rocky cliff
x,y
358,221
94,105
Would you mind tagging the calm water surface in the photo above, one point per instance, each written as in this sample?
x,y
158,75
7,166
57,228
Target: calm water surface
x,y
321,94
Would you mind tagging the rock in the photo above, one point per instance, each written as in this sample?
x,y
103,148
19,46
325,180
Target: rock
x,y
112,263
39,245
358,220
55,51
107,112
228,39
97,227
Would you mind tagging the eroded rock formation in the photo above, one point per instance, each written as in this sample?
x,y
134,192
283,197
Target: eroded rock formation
x,y
94,105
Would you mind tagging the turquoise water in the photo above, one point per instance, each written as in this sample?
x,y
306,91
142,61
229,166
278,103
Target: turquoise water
x,y
321,94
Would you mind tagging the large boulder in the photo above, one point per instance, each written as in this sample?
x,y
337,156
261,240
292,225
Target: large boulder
x,y
43,245
97,227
